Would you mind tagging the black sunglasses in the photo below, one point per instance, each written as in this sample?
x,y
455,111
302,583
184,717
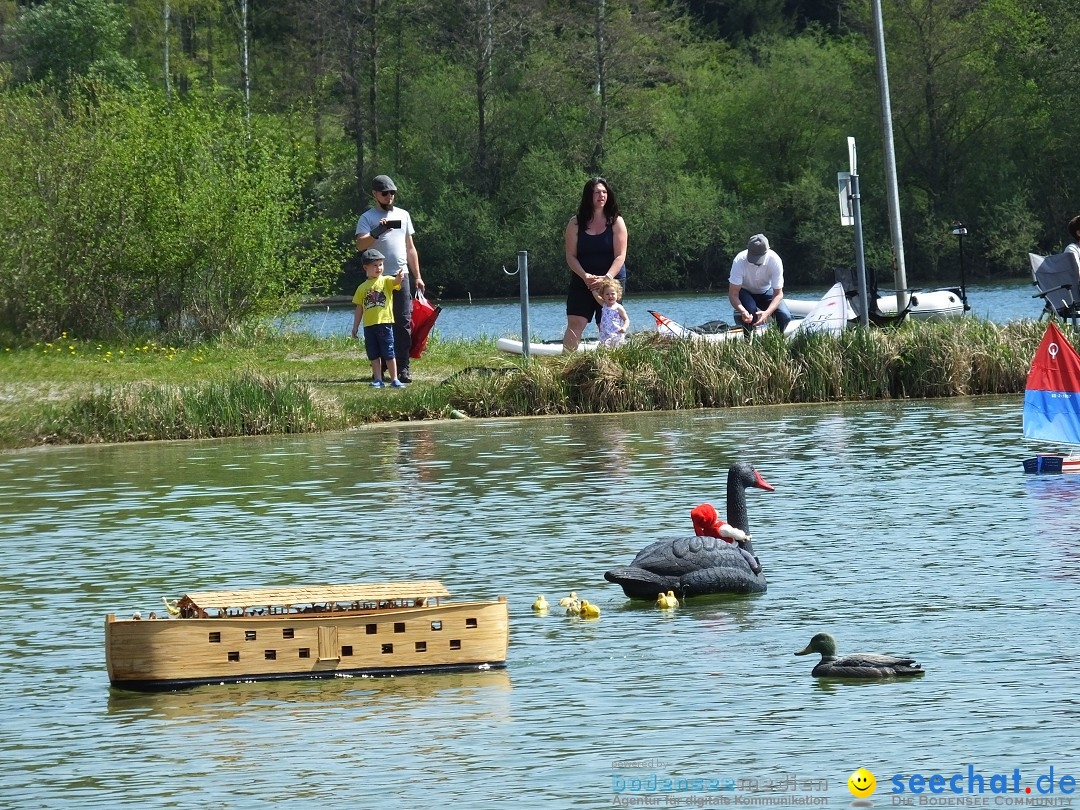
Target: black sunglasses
x,y
391,193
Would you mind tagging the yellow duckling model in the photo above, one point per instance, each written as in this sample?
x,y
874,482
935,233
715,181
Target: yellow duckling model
x,y
589,610
667,601
171,607
573,607
540,605
566,601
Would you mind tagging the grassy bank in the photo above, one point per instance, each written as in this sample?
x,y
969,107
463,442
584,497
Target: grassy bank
x,y
73,391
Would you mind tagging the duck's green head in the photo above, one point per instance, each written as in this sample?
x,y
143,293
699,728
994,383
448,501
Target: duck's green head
x,y
822,643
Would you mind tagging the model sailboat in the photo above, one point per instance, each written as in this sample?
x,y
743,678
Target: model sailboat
x,y
1052,402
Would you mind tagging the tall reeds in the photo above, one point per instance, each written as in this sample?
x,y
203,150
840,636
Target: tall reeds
x,y
311,384
918,360
246,405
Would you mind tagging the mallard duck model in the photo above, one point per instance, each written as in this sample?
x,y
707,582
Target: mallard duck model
x,y
695,566
856,665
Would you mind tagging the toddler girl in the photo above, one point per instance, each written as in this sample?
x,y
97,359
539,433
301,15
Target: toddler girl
x,y
613,318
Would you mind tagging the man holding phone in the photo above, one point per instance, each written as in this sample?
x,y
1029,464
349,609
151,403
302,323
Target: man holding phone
x,y
389,229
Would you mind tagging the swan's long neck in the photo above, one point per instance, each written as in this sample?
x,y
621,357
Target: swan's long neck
x,y
736,506
736,503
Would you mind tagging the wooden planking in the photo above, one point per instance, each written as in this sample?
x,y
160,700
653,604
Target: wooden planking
x,y
175,649
317,594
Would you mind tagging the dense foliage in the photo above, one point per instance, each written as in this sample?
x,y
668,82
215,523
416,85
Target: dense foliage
x,y
179,163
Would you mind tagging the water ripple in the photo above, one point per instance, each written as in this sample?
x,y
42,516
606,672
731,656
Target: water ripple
x,y
902,527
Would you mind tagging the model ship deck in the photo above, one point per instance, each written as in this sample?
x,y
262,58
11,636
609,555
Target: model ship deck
x,y
306,632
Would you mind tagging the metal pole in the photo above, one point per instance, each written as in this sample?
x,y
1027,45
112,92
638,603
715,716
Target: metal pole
x,y
860,257
890,162
959,231
523,277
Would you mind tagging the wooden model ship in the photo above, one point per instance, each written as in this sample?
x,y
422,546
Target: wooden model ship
x,y
320,631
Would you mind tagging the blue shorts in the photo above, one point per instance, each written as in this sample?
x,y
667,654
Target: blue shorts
x,y
379,341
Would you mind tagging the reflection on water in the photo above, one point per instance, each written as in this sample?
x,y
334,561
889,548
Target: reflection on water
x,y
472,696
902,527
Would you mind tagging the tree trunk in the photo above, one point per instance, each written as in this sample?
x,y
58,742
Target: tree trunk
x,y
165,14
355,119
245,75
483,73
373,74
597,161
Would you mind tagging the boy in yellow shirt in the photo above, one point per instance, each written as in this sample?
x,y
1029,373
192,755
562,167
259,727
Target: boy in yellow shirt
x,y
374,308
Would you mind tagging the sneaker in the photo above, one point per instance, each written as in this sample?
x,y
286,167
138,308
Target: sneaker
x,y
404,376
397,384
376,383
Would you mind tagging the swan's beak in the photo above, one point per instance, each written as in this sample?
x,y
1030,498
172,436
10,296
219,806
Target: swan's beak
x,y
761,483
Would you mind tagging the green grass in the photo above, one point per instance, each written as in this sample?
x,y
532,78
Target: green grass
x,y
260,382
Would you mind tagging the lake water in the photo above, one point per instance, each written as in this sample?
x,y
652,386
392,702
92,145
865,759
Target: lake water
x,y
999,302
904,527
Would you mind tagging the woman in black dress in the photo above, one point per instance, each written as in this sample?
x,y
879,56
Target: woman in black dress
x,y
595,248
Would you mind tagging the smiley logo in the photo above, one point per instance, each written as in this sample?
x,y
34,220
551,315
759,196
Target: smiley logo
x,y
862,783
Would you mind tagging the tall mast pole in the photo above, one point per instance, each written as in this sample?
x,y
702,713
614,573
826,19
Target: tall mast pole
x,y
899,270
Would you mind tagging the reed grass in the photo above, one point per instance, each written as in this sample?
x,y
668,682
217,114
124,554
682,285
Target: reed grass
x,y
257,382
918,360
249,405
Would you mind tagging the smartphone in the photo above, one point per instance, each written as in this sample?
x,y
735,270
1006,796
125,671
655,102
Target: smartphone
x,y
393,223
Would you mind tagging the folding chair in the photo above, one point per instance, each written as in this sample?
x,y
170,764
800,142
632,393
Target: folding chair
x,y
1058,280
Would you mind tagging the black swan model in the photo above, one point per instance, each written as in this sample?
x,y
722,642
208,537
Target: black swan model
x,y
695,566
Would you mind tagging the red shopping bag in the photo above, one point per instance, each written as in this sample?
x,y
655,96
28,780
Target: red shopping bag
x,y
423,318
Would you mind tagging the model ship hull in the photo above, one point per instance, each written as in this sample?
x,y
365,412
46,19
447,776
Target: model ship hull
x,y
182,652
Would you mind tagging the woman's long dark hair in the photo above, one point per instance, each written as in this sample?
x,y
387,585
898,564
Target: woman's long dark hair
x,y
585,210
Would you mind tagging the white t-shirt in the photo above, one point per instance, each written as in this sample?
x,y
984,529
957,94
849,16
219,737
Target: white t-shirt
x,y
758,278
392,243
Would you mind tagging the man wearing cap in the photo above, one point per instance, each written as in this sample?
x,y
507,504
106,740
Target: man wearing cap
x,y
390,229
756,285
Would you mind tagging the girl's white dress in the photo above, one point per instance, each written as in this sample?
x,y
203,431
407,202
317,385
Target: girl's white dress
x,y
610,320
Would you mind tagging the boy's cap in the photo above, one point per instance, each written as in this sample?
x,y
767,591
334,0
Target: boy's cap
x,y
371,255
756,248
382,183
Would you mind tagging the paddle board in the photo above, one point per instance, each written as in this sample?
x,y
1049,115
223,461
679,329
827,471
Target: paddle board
x,y
512,346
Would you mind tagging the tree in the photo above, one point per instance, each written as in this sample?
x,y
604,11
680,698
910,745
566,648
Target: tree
x,y
967,106
60,39
126,212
